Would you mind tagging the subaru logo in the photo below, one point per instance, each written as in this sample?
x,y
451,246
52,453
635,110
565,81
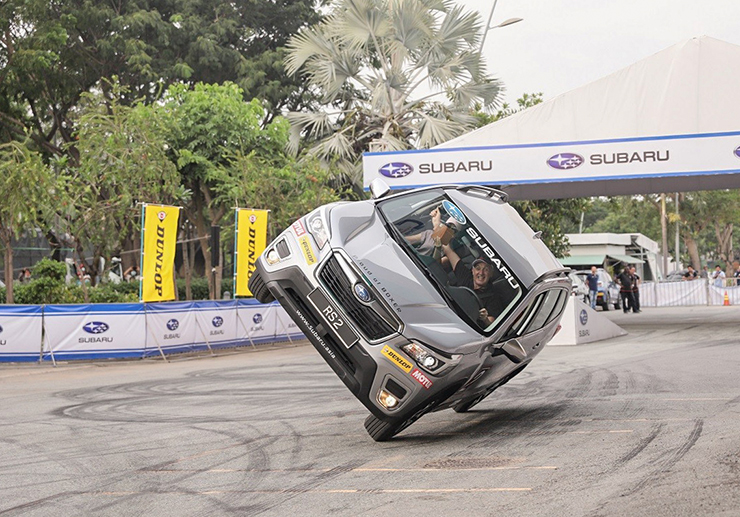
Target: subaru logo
x,y
173,324
95,327
217,321
1,328
583,317
565,161
257,318
737,152
454,212
396,170
362,293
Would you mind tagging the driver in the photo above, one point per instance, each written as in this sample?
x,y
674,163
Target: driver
x,y
478,278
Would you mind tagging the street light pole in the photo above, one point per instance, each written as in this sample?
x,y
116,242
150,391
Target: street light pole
x,y
504,23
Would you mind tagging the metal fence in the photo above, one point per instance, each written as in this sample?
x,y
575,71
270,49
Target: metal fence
x,y
694,292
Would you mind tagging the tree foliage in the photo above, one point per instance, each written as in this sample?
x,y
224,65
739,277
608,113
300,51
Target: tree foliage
x,y
393,75
27,188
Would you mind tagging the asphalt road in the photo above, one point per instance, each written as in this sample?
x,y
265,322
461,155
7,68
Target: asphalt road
x,y
646,424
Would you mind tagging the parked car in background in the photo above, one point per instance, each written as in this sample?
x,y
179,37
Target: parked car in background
x,y
580,288
407,332
607,295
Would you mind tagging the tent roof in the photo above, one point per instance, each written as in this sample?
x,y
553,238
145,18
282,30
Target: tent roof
x,y
688,88
684,100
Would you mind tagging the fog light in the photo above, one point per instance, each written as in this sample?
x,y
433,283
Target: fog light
x,y
272,257
387,400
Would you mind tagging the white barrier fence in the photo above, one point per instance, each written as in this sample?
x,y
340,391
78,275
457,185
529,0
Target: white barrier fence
x,y
687,293
96,331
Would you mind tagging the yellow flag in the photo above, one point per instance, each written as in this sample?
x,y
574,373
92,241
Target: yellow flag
x,y
251,239
158,253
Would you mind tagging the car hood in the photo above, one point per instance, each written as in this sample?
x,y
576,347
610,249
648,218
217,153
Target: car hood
x,y
360,232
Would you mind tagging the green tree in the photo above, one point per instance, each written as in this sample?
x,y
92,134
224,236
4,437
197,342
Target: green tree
x,y
27,188
208,125
393,74
53,51
123,160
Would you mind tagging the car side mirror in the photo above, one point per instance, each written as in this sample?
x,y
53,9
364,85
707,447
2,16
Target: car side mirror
x,y
379,188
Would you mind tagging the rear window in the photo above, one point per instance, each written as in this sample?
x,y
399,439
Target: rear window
x,y
543,310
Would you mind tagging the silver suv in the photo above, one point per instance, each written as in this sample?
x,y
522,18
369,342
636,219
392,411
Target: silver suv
x,y
419,301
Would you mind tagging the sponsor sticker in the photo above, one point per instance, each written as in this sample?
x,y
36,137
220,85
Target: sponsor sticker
x,y
298,228
396,359
421,378
307,250
454,212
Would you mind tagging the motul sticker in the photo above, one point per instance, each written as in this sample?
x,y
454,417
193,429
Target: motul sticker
x,y
421,378
298,228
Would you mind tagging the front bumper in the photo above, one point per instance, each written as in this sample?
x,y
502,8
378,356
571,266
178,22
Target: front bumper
x,y
366,366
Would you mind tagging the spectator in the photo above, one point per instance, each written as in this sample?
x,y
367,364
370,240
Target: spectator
x,y
635,290
25,276
691,274
593,286
625,288
131,274
736,272
718,276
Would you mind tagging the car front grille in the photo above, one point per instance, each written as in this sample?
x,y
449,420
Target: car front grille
x,y
365,318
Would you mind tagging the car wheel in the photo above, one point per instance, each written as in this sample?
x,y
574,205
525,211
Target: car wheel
x,y
259,290
381,430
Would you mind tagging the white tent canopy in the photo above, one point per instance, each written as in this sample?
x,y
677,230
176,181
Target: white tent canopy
x,y
670,122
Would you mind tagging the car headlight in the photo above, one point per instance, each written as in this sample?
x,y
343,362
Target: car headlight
x,y
423,357
317,228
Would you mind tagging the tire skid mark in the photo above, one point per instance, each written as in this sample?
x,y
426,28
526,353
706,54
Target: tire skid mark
x,y
641,445
669,459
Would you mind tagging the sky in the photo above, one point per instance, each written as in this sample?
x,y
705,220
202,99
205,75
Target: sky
x,y
564,44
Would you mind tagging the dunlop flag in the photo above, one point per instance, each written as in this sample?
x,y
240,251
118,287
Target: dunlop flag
x,y
158,253
251,239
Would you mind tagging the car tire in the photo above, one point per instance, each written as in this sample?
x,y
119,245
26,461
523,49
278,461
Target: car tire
x,y
259,290
381,430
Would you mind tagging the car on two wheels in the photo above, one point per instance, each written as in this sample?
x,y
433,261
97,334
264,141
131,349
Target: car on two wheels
x,y
390,315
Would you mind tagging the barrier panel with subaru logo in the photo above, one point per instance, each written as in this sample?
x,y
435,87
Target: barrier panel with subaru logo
x,y
94,331
20,332
171,327
216,323
98,331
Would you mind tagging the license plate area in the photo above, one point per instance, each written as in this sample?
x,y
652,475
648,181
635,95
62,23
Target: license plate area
x,y
334,321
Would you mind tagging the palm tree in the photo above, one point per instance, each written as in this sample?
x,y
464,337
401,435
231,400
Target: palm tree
x,y
392,74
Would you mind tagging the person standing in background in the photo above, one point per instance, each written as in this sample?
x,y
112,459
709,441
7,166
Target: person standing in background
x,y
718,276
592,279
736,272
635,290
625,282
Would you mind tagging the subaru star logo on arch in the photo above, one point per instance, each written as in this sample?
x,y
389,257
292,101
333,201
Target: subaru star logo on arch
x,y
217,321
362,293
173,324
454,212
396,170
95,327
565,161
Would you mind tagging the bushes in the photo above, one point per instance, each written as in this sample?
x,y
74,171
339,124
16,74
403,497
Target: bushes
x,y
47,286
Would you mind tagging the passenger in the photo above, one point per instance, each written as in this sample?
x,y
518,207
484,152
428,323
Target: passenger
x,y
478,278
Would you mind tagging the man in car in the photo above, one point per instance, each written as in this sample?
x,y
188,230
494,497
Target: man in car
x,y
478,278
593,286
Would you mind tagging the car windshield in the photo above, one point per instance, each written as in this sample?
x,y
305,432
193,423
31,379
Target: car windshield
x,y
476,283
